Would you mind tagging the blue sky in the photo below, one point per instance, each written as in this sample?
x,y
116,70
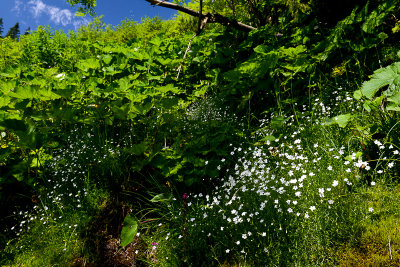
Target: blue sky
x,y
59,15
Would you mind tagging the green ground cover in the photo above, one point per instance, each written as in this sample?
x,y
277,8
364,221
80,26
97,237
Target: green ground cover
x,y
277,147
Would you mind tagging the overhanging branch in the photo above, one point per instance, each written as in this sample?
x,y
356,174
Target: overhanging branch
x,y
211,18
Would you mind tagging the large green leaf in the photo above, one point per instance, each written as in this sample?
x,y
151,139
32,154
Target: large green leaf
x,y
10,72
4,101
169,102
262,49
47,94
168,88
137,55
91,63
395,98
129,230
139,149
259,66
141,109
277,122
25,92
107,59
357,94
124,83
342,120
393,107
374,104
377,17
382,77
292,52
8,86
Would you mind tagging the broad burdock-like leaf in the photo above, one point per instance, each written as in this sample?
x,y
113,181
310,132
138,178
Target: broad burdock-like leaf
x,y
389,76
341,120
87,64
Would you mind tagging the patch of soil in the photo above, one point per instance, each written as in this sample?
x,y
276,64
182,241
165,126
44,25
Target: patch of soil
x,y
103,239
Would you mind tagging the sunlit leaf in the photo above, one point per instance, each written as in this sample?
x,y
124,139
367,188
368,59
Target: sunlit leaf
x,y
162,198
382,77
107,59
129,230
342,120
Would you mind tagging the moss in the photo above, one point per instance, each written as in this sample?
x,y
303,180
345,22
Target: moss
x,y
373,247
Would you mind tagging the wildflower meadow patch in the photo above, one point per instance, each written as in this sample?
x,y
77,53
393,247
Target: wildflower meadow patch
x,y
145,144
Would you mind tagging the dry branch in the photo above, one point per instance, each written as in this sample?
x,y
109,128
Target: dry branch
x,y
211,18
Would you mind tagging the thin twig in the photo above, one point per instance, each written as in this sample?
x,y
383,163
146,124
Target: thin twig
x,y
202,25
390,250
184,56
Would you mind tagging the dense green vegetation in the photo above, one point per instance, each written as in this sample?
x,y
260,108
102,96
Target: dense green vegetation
x,y
274,147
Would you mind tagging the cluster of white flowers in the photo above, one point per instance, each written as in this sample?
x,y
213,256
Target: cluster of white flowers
x,y
286,178
261,184
66,180
209,109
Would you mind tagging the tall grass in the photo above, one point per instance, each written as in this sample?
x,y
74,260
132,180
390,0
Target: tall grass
x,y
292,201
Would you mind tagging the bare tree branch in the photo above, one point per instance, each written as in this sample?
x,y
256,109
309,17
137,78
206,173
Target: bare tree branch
x,y
211,18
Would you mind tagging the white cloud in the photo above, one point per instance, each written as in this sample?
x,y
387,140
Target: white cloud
x,y
55,14
37,7
17,6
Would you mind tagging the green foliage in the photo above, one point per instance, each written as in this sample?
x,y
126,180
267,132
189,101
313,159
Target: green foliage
x,y
85,5
272,205
129,230
101,112
162,198
341,120
383,77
